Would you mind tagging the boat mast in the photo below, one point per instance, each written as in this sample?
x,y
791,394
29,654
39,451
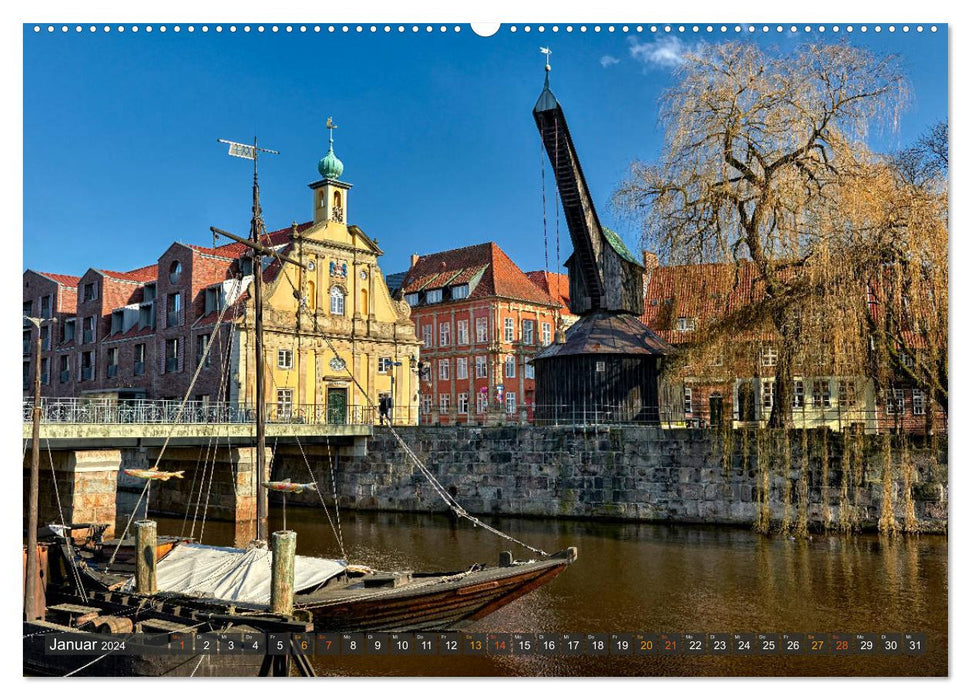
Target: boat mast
x,y
30,589
255,225
257,251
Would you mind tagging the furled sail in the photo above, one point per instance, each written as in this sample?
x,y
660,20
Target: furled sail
x,y
239,575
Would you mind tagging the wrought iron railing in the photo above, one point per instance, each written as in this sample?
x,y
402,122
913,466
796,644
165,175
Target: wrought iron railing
x,y
140,411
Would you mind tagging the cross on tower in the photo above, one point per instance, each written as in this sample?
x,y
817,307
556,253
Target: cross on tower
x,y
331,126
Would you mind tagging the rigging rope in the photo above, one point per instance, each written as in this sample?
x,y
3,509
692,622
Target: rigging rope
x,y
70,540
439,489
175,423
449,500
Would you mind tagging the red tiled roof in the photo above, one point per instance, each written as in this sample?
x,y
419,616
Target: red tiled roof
x,y
500,276
703,292
556,284
141,274
65,280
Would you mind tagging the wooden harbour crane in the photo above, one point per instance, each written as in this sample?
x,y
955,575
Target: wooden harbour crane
x,y
606,368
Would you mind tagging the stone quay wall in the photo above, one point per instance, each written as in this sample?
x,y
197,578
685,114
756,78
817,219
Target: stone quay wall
x,y
639,473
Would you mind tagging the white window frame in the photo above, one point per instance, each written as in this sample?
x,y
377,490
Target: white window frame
x,y
688,401
918,398
463,403
481,367
284,403
823,399
482,330
844,397
769,356
509,326
895,402
547,333
411,299
529,369
444,402
444,334
510,401
337,299
284,358
462,332
426,335
798,393
481,402
528,327
768,393
444,369
510,369
461,368
433,296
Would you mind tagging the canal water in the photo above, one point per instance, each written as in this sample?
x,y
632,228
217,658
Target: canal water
x,y
644,578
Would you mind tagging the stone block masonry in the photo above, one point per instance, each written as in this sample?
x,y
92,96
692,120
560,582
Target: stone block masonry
x,y
636,473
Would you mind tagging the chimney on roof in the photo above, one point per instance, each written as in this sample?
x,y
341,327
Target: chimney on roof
x,y
414,259
650,264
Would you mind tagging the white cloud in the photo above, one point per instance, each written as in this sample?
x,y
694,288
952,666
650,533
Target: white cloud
x,y
608,60
666,52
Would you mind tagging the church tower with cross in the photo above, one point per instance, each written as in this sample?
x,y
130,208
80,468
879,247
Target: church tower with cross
x,y
330,193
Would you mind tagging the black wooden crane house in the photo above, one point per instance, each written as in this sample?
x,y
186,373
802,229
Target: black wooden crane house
x,y
606,368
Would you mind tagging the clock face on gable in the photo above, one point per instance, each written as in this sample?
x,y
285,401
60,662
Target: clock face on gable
x,y
363,274
337,364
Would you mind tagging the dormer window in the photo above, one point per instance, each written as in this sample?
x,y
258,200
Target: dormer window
x,y
686,324
412,299
460,291
433,296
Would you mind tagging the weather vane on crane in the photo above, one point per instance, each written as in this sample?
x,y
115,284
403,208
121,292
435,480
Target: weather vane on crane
x,y
545,50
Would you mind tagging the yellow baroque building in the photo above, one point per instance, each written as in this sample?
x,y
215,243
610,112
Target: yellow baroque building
x,y
330,320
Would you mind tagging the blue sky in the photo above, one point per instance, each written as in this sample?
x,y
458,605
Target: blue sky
x,y
436,135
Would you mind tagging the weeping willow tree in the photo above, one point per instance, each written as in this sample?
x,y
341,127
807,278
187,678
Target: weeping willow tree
x,y
762,168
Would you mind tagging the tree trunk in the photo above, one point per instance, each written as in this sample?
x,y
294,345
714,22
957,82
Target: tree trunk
x,y
787,332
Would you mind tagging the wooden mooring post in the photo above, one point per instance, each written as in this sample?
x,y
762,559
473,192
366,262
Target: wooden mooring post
x,y
146,541
281,577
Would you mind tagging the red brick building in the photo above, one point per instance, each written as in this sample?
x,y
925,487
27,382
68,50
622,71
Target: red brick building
x,y
739,381
481,319
141,333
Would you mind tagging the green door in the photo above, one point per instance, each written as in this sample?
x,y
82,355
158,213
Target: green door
x,y
337,405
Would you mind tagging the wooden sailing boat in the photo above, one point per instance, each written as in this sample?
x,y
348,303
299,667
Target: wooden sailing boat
x,y
59,601
336,596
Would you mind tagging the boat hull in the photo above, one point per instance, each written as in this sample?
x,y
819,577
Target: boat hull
x,y
437,603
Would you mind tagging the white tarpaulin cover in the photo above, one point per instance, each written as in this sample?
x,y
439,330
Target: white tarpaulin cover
x,y
226,573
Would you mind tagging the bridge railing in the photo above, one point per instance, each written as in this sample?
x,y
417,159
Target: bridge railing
x,y
138,411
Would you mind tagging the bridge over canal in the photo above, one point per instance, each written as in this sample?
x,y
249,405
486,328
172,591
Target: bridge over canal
x,y
87,443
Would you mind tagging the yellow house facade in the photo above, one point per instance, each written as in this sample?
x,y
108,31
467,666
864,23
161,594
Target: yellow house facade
x,y
336,344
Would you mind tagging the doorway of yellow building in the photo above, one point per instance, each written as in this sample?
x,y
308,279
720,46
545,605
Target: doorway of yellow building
x,y
337,406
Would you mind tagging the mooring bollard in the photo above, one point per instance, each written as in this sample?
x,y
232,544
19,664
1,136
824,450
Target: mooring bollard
x,y
146,539
281,578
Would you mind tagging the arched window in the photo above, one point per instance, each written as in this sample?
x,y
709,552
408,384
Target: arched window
x,y
336,301
338,200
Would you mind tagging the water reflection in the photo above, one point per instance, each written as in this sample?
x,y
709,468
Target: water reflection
x,y
652,578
